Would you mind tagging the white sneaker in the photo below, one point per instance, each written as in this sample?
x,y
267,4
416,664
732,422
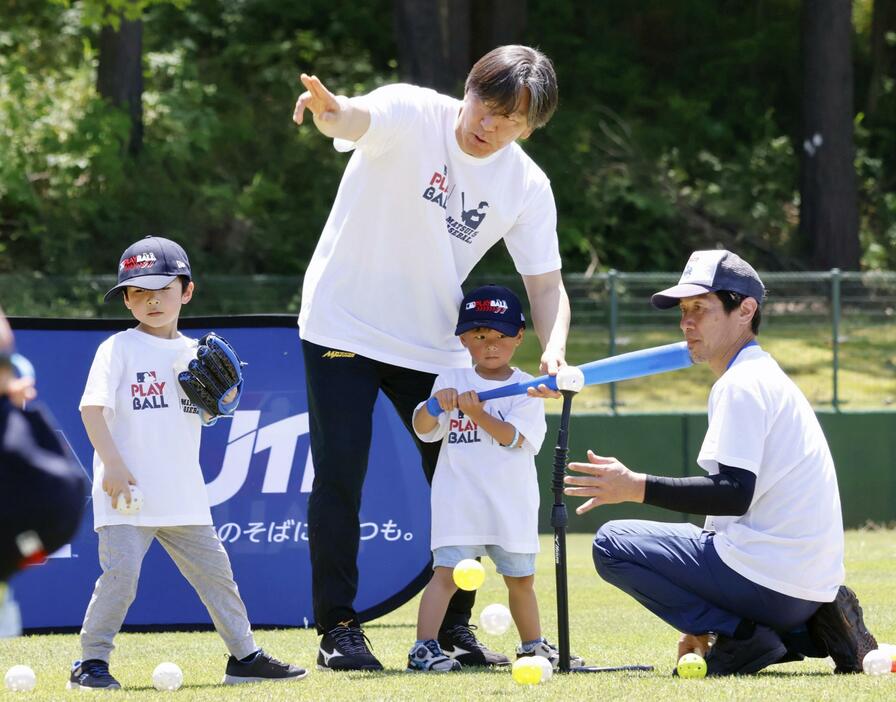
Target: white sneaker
x,y
427,657
549,651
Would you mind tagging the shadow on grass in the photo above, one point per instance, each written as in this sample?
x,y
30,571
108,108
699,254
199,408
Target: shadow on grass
x,y
789,675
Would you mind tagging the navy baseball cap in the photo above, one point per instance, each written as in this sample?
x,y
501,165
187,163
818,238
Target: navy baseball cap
x,y
710,271
152,264
493,307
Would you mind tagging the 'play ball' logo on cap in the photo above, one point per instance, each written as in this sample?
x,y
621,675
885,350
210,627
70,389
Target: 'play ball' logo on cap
x,y
151,263
144,260
491,307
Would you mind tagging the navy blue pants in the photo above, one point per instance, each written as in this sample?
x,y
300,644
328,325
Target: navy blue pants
x,y
675,572
342,390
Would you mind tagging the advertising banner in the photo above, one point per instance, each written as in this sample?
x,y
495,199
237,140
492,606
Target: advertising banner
x,y
258,473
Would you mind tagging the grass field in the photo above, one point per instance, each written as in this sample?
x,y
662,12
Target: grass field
x,y
607,628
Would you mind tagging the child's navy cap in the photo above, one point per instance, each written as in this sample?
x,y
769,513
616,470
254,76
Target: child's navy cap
x,y
493,307
711,271
152,264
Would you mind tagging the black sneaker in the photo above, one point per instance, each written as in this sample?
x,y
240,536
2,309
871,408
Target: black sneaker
x,y
92,674
345,648
729,656
260,669
460,643
837,628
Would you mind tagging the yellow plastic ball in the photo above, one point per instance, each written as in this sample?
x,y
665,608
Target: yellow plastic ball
x,y
469,574
527,671
691,665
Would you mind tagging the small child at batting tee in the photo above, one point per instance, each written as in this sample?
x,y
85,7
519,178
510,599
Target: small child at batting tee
x,y
145,433
485,489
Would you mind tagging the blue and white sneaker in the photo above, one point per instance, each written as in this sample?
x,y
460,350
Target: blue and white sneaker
x,y
427,657
549,651
92,674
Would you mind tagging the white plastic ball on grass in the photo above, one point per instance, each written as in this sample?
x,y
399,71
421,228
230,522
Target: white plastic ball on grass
x,y
167,677
20,678
136,502
547,670
877,662
495,619
890,650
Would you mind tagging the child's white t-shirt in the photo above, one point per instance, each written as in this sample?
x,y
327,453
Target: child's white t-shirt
x,y
156,429
412,217
791,538
483,493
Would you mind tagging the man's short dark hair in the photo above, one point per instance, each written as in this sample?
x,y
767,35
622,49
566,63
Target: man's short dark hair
x,y
499,78
731,301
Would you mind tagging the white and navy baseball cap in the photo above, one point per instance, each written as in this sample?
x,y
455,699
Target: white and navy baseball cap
x,y
493,307
710,271
152,264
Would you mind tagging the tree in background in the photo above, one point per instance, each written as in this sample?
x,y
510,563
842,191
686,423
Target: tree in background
x,y
679,124
438,41
883,53
119,75
829,217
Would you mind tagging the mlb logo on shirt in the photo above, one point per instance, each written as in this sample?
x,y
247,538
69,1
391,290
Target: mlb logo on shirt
x,y
146,393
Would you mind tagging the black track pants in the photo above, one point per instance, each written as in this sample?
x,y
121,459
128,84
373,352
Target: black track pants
x,y
342,390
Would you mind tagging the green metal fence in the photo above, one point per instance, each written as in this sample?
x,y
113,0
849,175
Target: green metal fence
x,y
834,331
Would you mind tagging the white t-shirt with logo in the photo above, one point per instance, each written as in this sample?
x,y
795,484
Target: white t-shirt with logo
x,y
483,493
791,538
412,217
156,429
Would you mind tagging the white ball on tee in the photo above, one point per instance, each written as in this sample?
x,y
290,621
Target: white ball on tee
x,y
570,378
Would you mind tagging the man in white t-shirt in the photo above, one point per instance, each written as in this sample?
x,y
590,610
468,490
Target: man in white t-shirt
x,y
763,578
432,184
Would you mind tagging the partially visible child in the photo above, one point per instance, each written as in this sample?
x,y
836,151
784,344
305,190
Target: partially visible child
x,y
41,484
144,433
485,489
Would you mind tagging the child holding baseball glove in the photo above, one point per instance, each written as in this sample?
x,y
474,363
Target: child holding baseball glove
x,y
145,433
485,490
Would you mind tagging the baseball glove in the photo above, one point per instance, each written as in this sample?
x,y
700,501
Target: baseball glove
x,y
214,379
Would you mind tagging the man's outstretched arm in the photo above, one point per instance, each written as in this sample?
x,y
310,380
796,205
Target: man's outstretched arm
x,y
335,116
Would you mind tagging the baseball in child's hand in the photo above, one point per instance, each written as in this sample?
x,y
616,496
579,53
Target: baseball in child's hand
x,y
136,503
